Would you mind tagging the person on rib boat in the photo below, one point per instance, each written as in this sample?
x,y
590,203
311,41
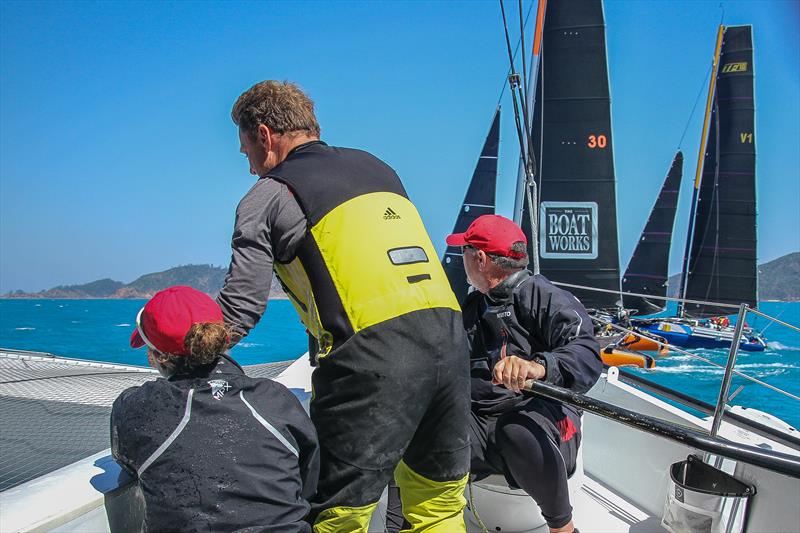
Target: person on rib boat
x,y
213,449
523,327
391,387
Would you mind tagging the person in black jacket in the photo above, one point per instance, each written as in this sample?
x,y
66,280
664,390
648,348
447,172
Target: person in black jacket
x,y
523,327
213,449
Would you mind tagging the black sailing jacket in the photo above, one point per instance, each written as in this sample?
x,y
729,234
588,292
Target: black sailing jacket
x,y
535,320
241,452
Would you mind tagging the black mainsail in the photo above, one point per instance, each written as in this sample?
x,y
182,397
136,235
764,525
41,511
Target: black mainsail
x,y
572,140
648,268
722,262
478,201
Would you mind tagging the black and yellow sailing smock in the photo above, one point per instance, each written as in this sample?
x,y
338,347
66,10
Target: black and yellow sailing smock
x,y
391,390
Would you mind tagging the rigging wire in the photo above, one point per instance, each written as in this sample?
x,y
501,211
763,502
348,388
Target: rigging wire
x,y
702,85
516,50
519,100
513,79
524,67
694,107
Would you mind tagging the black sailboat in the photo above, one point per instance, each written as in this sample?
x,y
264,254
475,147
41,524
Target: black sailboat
x,y
648,268
572,145
721,265
479,200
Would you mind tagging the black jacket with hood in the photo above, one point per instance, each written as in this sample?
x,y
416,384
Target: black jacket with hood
x,y
216,450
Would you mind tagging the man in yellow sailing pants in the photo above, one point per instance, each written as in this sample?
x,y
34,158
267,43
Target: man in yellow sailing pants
x,y
391,387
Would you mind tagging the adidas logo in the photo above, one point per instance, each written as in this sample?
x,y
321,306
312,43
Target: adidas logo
x,y
390,214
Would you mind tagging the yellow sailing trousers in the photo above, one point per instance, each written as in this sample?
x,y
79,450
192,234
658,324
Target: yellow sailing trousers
x,y
429,506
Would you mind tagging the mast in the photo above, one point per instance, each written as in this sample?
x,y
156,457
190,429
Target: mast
x,y
647,271
576,224
479,200
699,172
723,260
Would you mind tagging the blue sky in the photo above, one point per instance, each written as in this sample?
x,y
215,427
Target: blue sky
x,y
118,156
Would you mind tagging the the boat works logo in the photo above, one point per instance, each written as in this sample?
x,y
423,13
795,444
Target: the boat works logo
x,y
568,230
729,68
389,214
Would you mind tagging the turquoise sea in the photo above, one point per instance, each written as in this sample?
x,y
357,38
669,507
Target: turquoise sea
x,y
100,329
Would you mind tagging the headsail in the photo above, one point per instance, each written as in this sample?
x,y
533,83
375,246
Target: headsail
x,y
647,271
722,263
572,139
478,201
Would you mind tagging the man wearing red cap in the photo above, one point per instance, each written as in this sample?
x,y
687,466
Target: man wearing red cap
x,y
212,449
523,327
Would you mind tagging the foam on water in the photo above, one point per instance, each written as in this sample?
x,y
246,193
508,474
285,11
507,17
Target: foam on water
x,y
123,325
778,346
249,344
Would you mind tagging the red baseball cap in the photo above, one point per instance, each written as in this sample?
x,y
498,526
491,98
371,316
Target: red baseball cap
x,y
165,320
493,234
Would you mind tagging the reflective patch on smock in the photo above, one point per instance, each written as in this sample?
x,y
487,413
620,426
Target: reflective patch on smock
x,y
355,240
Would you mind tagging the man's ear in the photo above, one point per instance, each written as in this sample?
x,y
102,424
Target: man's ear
x,y
264,135
481,260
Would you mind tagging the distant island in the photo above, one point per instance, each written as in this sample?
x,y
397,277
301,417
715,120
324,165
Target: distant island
x,y
206,278
778,280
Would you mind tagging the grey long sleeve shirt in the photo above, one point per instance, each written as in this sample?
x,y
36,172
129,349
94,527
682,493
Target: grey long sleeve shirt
x,y
269,227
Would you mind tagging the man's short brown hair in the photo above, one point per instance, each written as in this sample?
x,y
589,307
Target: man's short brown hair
x,y
280,105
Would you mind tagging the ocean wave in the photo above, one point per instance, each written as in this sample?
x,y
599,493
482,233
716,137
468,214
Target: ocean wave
x,y
775,345
249,344
764,369
37,305
766,365
124,325
678,358
694,369
24,329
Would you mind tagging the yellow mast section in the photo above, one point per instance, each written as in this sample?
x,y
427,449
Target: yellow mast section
x,y
711,87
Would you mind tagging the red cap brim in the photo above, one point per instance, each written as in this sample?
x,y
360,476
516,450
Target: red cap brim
x,y
136,340
456,239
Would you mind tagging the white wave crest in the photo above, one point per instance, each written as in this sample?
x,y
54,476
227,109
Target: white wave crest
x,y
249,344
764,369
124,325
24,329
766,365
694,369
775,345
